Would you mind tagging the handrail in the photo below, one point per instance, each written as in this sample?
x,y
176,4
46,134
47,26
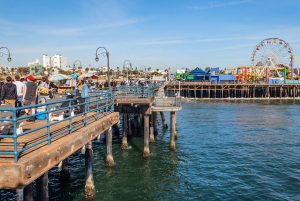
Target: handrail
x,y
167,102
99,104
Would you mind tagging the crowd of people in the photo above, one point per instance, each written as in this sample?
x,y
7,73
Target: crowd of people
x,y
19,92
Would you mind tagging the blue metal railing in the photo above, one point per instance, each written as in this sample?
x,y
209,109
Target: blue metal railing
x,y
89,109
130,91
134,91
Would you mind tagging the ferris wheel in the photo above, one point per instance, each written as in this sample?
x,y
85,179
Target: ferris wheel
x,y
274,53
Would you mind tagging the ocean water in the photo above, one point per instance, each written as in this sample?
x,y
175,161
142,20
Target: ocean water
x,y
225,151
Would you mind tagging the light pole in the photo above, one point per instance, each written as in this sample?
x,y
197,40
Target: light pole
x,y
77,61
107,56
127,62
8,53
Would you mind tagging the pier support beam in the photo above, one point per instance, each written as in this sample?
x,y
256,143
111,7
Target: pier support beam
x,y
173,131
89,188
146,153
20,194
116,130
64,173
124,145
109,156
130,133
163,121
152,138
155,123
42,188
28,194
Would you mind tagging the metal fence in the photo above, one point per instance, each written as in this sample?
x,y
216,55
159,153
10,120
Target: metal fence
x,y
130,91
17,135
167,102
134,91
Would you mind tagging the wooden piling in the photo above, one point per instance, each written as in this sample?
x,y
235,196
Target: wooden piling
x,y
155,123
173,131
116,130
152,138
89,189
109,155
129,125
163,120
28,193
124,145
146,153
64,173
42,188
20,194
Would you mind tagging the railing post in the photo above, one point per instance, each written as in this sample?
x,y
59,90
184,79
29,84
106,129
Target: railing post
x,y
97,102
70,116
85,111
14,114
106,102
113,102
48,124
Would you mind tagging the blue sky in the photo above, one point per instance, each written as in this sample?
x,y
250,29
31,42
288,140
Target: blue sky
x,y
151,33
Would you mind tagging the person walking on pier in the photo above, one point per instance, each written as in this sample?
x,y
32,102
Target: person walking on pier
x,y
84,94
9,92
29,95
20,86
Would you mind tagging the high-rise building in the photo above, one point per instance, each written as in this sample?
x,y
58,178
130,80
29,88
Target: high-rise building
x,y
55,61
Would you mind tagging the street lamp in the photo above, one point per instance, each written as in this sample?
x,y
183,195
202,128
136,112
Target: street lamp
x,y
8,53
77,61
127,62
106,53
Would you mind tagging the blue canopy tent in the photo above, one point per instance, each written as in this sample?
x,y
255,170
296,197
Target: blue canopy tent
x,y
200,74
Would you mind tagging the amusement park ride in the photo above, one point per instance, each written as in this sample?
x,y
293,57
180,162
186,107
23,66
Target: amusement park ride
x,y
273,58
272,62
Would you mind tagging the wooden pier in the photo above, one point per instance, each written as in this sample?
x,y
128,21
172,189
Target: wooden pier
x,y
28,156
225,91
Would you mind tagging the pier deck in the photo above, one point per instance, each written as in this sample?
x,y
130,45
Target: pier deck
x,y
32,165
29,150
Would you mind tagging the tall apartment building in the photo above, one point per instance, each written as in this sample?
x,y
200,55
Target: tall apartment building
x,y
55,61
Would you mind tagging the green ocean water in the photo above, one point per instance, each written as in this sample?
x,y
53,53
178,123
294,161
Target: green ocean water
x,y
225,151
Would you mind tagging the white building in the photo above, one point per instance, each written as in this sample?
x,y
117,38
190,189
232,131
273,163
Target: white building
x,y
33,63
55,61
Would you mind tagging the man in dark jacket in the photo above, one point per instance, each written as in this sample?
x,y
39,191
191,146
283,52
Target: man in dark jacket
x,y
9,92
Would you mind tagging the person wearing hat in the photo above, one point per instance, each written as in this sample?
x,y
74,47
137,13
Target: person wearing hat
x,y
29,95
